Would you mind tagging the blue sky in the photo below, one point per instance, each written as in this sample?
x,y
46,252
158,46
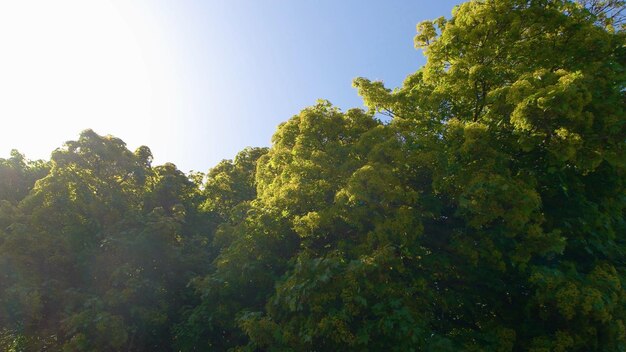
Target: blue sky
x,y
196,81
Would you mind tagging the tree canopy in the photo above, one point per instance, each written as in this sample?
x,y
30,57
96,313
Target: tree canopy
x,y
486,214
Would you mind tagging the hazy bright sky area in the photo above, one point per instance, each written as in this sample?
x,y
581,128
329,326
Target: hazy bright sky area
x,y
196,81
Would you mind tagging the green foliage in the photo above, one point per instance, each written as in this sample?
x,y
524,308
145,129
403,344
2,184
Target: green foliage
x,y
98,255
18,176
486,215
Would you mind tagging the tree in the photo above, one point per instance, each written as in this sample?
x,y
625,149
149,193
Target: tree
x,y
528,98
98,255
18,176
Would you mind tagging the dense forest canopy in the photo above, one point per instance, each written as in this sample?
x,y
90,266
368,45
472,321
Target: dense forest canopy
x,y
486,215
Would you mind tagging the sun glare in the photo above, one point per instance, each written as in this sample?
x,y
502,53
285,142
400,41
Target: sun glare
x,y
70,65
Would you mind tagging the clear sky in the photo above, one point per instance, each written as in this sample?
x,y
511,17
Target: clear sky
x,y
196,81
